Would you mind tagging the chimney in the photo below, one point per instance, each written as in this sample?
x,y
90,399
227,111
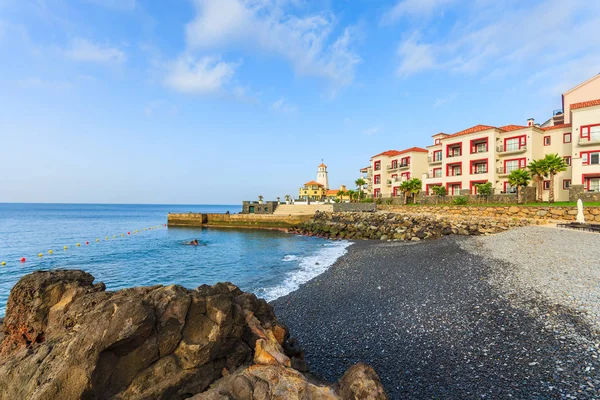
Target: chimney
x,y
530,122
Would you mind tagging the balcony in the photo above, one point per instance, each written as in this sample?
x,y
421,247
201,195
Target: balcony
x,y
404,166
511,149
480,171
392,181
454,173
592,140
458,154
501,171
434,160
479,149
392,167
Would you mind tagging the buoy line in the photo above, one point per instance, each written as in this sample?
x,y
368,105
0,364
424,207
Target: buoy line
x,y
106,238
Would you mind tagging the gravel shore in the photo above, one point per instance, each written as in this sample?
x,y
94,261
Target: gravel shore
x,y
444,320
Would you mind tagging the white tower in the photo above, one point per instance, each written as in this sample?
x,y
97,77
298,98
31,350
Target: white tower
x,y
322,176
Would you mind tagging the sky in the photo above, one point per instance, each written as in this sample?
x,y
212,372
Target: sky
x,y
218,101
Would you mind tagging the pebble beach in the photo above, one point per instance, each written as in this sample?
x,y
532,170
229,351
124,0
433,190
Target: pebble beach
x,y
511,315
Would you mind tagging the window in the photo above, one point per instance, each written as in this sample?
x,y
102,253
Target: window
x,y
566,184
405,162
479,146
453,169
515,143
511,165
592,184
567,160
474,184
479,167
453,189
509,189
377,179
546,185
547,140
437,172
590,132
454,150
377,165
376,192
405,175
437,155
394,164
567,138
438,141
590,158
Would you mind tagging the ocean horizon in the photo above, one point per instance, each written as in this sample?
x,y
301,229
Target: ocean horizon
x,y
127,245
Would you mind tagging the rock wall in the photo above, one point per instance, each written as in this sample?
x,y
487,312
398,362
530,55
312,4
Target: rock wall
x,y
266,221
354,207
395,226
65,338
577,192
527,212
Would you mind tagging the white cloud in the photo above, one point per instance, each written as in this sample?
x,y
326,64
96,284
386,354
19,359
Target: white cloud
x,y
445,100
501,41
307,42
413,8
283,106
205,75
86,51
120,5
371,131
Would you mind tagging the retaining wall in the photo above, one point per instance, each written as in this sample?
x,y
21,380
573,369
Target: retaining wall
x,y
262,221
592,214
354,207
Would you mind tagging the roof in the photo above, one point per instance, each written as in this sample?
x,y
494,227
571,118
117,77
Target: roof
x,y
549,128
508,128
312,183
441,133
322,165
581,84
365,169
584,104
392,153
473,129
332,192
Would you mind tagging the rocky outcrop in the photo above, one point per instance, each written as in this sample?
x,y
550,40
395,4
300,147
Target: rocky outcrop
x,y
65,338
394,226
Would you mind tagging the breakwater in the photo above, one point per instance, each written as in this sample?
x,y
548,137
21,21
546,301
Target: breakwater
x,y
394,226
260,221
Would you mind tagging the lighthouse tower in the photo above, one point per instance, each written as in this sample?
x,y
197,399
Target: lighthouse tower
x,y
322,176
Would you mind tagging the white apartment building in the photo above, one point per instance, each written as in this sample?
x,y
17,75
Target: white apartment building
x,y
389,169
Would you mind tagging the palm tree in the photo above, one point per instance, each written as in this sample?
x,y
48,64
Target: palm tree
x,y
405,188
360,183
439,191
340,194
350,194
415,187
554,164
519,178
288,198
539,171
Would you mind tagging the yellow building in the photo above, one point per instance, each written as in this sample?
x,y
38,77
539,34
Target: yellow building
x,y
333,194
313,191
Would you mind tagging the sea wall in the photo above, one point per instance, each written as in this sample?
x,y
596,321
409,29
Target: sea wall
x,y
354,207
528,212
395,226
263,221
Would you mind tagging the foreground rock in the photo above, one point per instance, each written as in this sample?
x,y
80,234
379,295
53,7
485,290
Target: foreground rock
x,y
65,338
394,226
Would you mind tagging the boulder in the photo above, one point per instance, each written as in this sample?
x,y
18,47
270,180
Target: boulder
x,y
66,338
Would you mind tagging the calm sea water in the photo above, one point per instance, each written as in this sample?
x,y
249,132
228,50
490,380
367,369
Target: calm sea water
x,y
267,263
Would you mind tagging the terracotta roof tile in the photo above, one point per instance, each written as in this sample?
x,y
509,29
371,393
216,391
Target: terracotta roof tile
x,y
559,126
332,192
584,104
323,165
312,183
508,128
473,129
392,153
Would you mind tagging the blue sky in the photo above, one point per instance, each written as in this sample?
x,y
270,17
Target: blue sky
x,y
216,101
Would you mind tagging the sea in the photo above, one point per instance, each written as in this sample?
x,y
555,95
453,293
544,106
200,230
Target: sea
x,y
131,245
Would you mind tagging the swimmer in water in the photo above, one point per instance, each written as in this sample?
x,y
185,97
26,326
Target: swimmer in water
x,y
193,242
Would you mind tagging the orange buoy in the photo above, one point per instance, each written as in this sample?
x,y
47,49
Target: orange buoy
x,y
87,242
23,259
129,233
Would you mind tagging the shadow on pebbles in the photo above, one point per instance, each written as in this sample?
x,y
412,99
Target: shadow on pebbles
x,y
438,320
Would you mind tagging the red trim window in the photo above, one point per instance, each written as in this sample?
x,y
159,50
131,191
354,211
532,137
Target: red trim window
x,y
591,183
515,143
405,161
394,176
454,150
377,165
590,132
546,185
438,141
454,169
479,145
566,184
590,157
479,166
377,179
567,160
567,137
508,188
405,175
395,192
437,155
376,192
547,140
472,186
394,164
515,163
437,173
453,188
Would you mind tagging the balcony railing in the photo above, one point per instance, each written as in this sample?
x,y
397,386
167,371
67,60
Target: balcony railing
x,y
505,171
589,141
457,173
392,167
404,165
454,155
476,150
480,171
512,149
434,160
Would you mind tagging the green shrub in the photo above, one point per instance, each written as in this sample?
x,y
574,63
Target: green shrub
x,y
460,200
388,202
380,201
367,200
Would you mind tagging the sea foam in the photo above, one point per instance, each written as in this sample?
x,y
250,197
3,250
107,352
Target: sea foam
x,y
309,267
